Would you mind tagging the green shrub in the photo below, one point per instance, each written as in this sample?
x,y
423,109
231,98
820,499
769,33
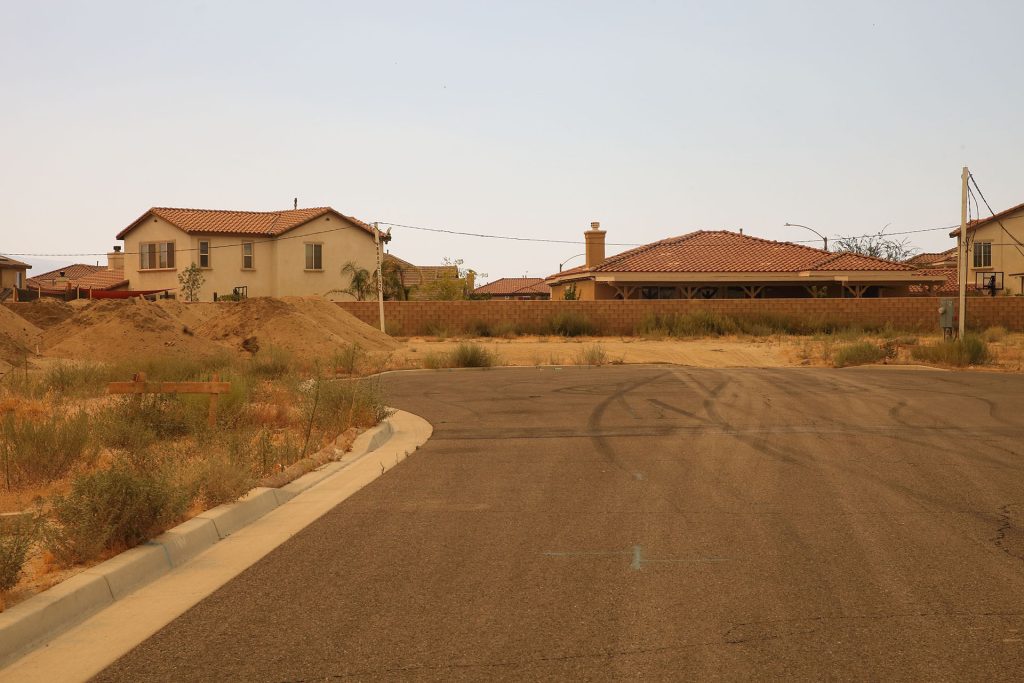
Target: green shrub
x,y
465,355
594,354
16,538
971,350
859,353
571,324
479,328
436,329
113,509
34,451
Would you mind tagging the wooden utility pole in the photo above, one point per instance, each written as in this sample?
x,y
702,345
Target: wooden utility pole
x,y
380,274
962,256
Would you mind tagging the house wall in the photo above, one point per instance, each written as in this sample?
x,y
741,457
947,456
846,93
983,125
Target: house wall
x,y
1006,256
623,317
9,277
278,265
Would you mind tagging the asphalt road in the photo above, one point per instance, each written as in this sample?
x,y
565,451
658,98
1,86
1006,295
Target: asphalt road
x,y
656,522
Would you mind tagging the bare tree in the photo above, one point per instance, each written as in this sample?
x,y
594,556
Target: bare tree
x,y
878,245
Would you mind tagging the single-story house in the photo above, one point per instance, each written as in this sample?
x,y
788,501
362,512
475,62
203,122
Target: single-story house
x,y
522,288
423,283
13,273
942,259
84,276
995,251
720,264
264,253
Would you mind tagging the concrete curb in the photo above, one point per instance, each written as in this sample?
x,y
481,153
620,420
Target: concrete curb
x,y
70,602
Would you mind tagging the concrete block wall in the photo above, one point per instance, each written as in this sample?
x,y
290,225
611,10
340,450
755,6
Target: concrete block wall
x,y
623,317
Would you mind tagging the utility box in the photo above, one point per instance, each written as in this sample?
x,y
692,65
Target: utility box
x,y
947,320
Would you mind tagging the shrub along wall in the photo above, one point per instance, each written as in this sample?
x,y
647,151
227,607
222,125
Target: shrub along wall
x,y
623,317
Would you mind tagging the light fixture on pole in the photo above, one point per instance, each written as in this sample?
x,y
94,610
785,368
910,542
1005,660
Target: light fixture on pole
x,y
567,260
797,225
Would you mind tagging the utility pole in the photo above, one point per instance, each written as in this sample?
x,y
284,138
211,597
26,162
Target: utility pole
x,y
380,274
962,256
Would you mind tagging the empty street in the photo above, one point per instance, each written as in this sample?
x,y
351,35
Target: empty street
x,y
658,522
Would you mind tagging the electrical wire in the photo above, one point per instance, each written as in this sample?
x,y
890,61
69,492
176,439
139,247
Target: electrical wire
x,y
449,232
981,194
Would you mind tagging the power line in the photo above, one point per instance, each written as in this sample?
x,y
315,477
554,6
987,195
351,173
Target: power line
x,y
502,237
458,233
212,246
981,194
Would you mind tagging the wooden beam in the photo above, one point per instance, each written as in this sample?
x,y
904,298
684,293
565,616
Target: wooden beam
x,y
139,385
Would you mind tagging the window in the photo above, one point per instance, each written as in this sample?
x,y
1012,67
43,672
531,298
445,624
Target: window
x,y
982,254
247,260
204,253
314,256
155,255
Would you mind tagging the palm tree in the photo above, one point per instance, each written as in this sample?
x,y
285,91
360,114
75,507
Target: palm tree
x,y
362,283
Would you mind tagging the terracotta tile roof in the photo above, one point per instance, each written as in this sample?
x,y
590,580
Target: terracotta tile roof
x,y
932,257
723,251
413,275
948,288
514,285
216,221
8,262
975,224
80,275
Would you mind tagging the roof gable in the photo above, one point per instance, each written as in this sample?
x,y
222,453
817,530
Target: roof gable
x,y
723,251
224,222
981,222
514,285
80,275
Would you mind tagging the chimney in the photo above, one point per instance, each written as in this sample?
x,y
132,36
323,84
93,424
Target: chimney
x,y
470,280
595,245
115,259
61,280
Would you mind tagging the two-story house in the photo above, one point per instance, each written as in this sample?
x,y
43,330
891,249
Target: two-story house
x,y
995,252
268,253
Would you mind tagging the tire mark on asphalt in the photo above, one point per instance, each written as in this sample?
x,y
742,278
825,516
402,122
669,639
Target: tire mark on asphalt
x,y
601,443
759,444
1005,526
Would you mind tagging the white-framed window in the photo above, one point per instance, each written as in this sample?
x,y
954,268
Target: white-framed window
x,y
156,255
204,253
982,254
314,256
248,263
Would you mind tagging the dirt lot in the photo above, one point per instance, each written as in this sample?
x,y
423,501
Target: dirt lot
x,y
704,353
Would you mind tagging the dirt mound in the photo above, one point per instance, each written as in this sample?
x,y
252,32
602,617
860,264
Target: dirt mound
x,y
114,329
17,336
45,313
307,327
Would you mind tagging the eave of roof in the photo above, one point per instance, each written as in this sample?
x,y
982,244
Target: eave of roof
x,y
975,224
263,223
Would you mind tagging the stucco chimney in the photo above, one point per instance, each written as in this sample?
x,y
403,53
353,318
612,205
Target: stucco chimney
x,y
115,259
595,245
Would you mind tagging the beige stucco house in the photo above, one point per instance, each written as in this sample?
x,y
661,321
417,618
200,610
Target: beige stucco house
x,y
12,273
721,264
995,249
269,253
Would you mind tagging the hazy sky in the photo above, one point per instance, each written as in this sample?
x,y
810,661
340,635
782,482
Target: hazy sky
x,y
521,118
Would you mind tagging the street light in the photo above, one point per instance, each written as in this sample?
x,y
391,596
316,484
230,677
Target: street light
x,y
567,260
797,225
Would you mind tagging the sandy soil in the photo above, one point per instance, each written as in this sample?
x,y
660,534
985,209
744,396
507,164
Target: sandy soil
x,y
310,329
704,353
